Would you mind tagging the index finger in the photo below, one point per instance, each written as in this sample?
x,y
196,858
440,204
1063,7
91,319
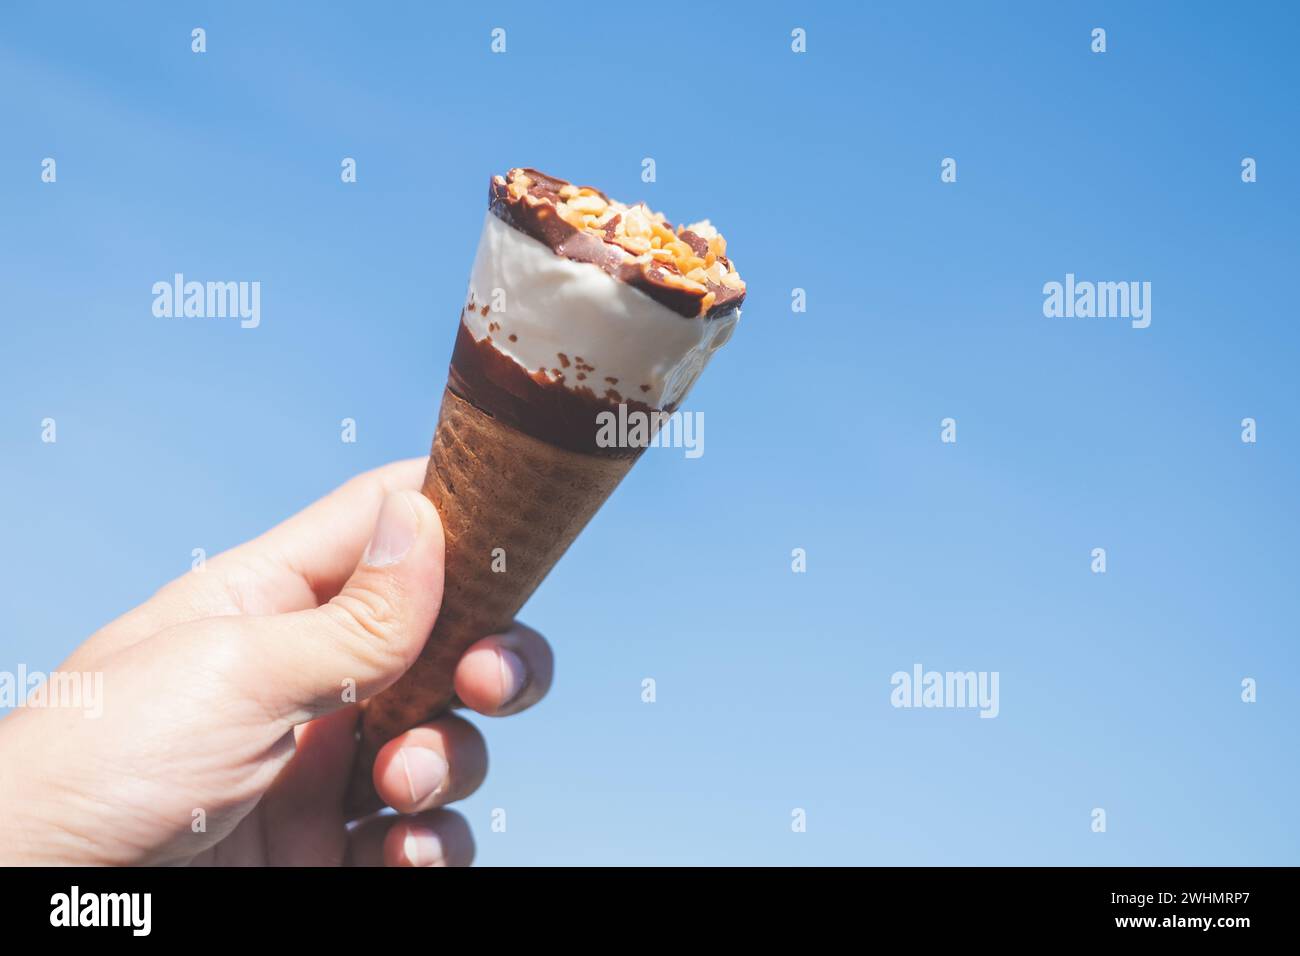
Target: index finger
x,y
299,564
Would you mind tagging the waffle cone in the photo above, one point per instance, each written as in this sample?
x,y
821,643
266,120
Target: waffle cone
x,y
494,487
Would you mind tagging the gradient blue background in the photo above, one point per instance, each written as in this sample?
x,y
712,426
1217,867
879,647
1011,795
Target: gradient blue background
x,y
924,301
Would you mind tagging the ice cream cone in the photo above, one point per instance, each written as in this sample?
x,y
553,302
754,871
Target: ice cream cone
x,y
519,465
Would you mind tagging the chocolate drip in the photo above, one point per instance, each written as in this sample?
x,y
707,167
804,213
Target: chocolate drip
x,y
530,401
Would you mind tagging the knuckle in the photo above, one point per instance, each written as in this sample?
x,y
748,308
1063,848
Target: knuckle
x,y
369,615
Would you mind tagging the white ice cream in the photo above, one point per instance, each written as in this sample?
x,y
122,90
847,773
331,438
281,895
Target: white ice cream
x,y
555,306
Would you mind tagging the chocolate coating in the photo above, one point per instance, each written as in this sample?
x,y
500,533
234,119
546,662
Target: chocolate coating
x,y
541,221
555,413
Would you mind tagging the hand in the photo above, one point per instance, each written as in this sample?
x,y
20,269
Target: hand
x,y
226,735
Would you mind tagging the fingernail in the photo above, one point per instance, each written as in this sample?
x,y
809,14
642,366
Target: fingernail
x,y
395,532
422,847
513,674
426,771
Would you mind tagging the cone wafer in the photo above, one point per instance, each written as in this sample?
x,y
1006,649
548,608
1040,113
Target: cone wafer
x,y
495,488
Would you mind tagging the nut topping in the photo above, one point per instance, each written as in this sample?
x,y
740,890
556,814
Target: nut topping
x,y
685,267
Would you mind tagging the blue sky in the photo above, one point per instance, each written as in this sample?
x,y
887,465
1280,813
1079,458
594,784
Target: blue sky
x,y
924,301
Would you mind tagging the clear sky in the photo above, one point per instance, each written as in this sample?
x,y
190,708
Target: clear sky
x,y
1119,691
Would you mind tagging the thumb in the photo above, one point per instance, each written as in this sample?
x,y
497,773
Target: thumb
x,y
311,662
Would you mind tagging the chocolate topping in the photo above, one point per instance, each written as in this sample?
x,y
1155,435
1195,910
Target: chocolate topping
x,y
530,401
698,245
683,270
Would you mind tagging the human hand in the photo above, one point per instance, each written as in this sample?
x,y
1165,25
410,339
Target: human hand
x,y
227,736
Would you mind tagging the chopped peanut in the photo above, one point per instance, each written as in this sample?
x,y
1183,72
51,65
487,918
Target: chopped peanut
x,y
647,236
